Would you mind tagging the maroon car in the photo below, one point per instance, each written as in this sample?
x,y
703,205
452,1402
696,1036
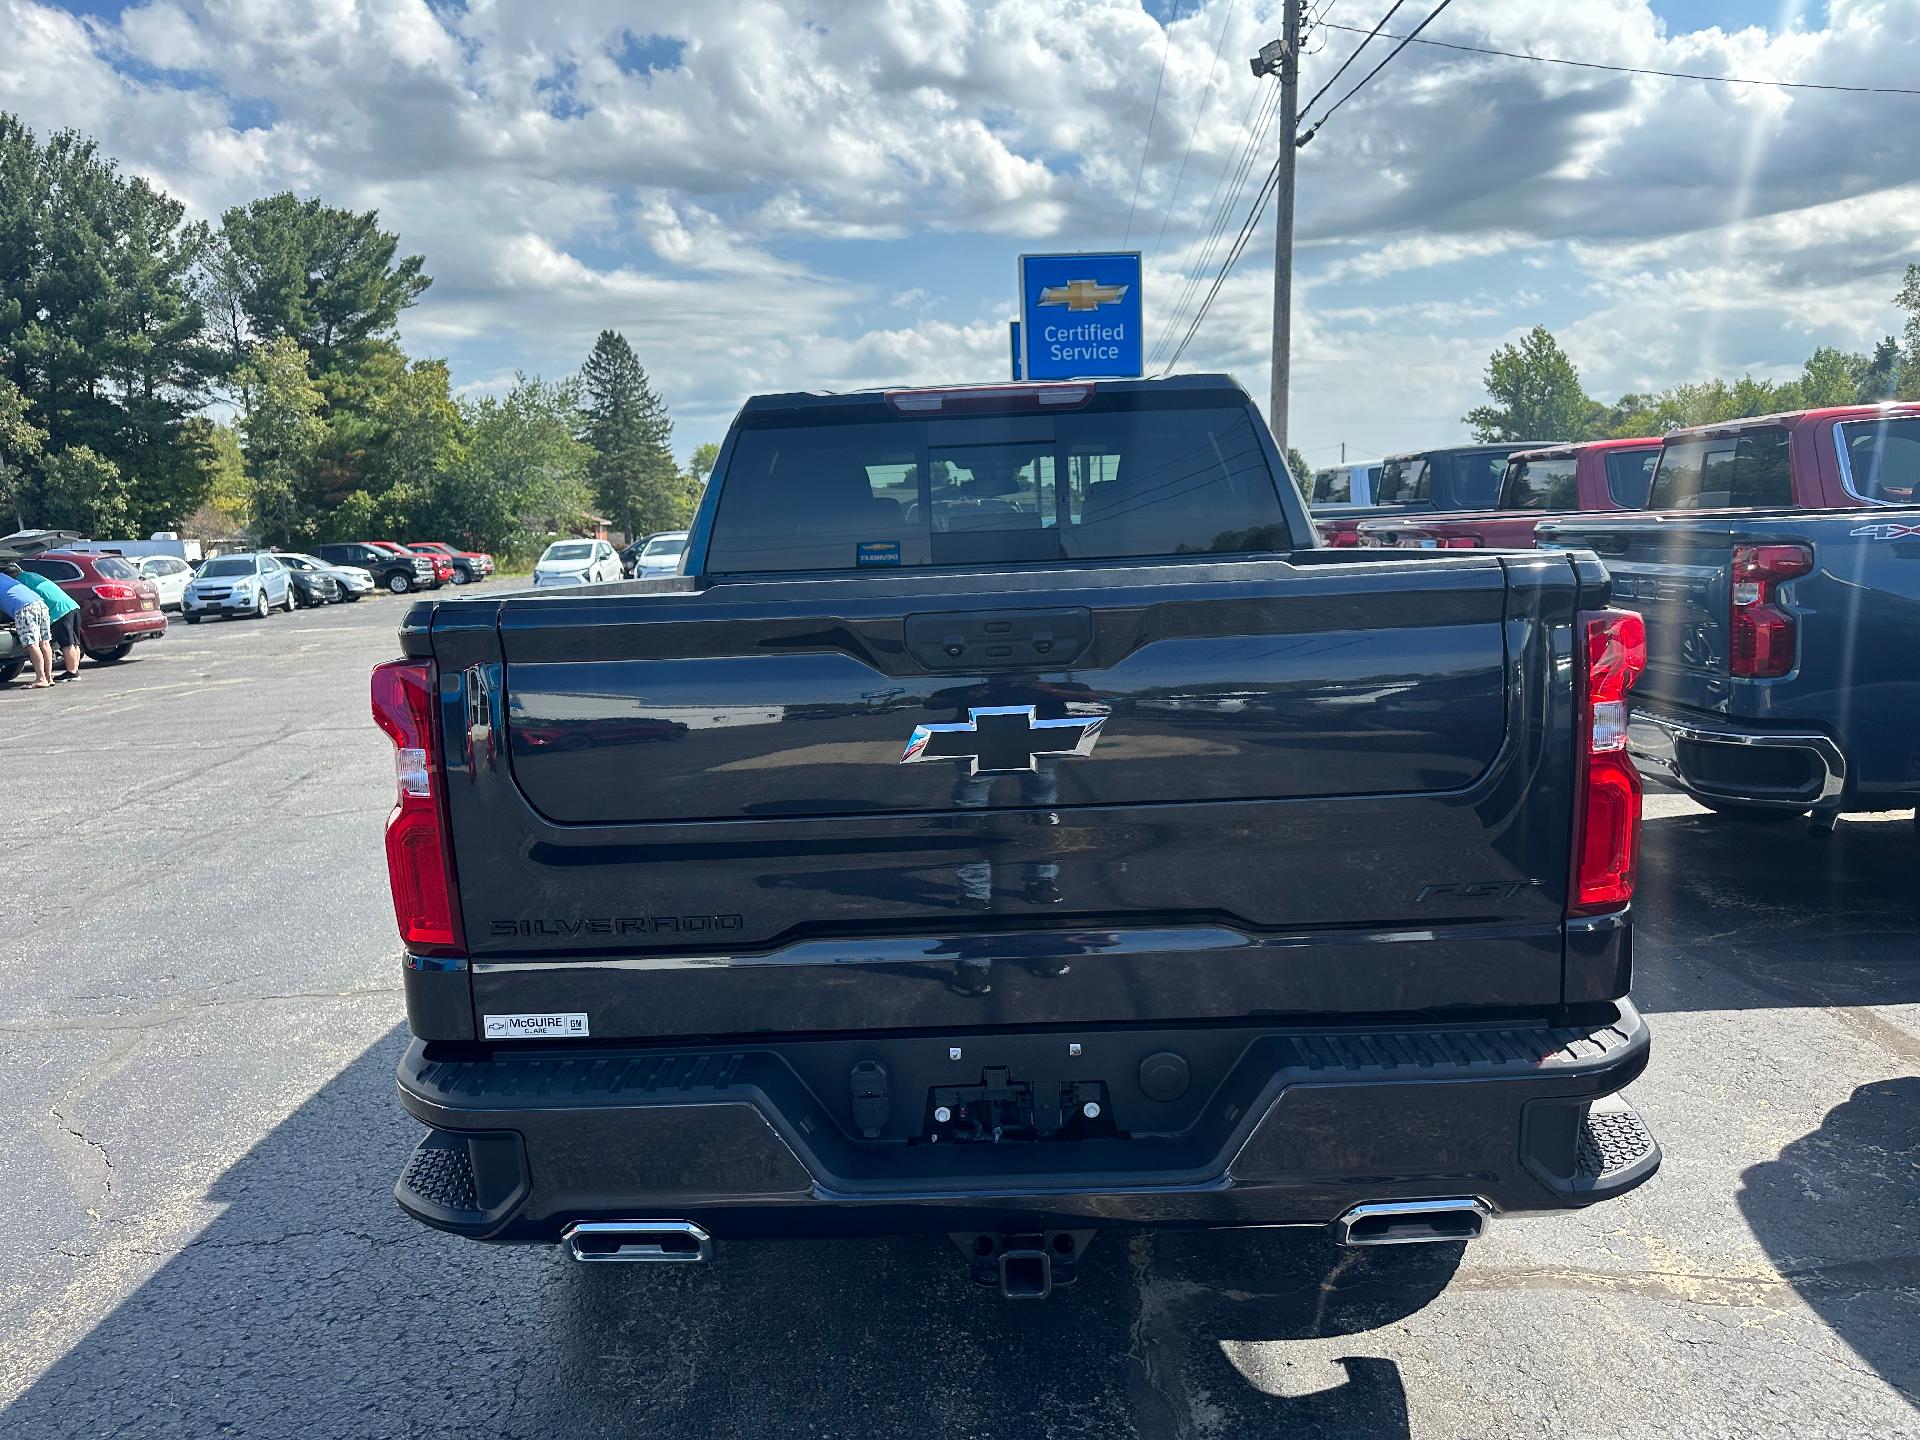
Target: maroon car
x,y
117,607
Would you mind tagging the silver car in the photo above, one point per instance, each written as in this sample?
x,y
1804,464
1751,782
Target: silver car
x,y
252,583
354,581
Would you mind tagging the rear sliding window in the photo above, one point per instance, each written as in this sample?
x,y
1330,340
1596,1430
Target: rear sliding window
x,y
1541,485
1476,479
1402,481
1630,477
1724,472
1004,489
1882,459
1333,487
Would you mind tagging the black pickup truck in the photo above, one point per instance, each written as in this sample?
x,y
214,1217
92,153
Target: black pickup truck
x,y
1014,825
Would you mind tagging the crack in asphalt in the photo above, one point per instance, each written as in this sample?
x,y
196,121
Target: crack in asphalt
x,y
99,1147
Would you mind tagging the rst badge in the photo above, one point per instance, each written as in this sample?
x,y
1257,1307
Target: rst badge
x,y
1003,739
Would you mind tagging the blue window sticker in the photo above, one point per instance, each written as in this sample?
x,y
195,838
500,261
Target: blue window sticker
x,y
878,552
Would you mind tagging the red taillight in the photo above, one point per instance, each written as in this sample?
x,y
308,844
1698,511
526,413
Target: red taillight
x,y
419,865
1606,818
1763,636
115,590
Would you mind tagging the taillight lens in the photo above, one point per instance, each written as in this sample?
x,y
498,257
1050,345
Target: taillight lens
x,y
115,590
419,862
1763,637
1606,824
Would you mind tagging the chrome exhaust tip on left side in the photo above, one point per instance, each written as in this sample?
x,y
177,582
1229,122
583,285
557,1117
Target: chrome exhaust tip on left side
x,y
639,1242
1413,1222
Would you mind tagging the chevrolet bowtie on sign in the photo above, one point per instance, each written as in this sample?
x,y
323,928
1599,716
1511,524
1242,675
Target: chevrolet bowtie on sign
x,y
1003,739
1083,294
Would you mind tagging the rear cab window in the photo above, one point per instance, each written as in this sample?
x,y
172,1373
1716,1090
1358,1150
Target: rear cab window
x,y
1402,481
1880,459
1333,486
1544,484
1476,478
1630,476
1745,470
1115,480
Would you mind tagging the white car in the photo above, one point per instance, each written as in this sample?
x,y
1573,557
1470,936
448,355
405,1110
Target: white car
x,y
169,577
577,562
354,582
660,555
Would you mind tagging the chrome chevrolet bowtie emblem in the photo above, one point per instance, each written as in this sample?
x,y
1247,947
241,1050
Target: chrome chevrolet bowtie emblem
x,y
1003,738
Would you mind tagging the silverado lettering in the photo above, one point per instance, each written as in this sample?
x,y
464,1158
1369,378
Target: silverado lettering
x,y
615,925
1022,988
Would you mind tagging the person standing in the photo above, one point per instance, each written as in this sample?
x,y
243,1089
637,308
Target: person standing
x,y
28,612
64,612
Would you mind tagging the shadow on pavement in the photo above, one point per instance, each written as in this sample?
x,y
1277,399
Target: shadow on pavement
x,y
1732,915
1852,1189
311,1307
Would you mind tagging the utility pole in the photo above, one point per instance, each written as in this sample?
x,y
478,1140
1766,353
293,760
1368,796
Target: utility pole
x,y
1283,57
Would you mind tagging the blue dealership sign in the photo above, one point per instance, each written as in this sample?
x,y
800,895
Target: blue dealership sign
x,y
1080,316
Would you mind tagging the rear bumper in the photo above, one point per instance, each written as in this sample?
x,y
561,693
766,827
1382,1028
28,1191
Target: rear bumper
x,y
1721,759
108,632
1294,1127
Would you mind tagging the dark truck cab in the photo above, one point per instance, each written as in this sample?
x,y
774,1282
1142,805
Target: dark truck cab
x,y
1014,825
1596,475
1444,481
1782,605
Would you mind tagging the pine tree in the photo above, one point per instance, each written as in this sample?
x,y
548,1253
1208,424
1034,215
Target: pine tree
x,y
628,429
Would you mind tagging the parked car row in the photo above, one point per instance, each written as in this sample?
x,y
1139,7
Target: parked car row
x,y
1775,561
423,565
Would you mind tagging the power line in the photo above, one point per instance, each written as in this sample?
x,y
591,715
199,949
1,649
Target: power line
x,y
1219,44
1247,227
1220,208
1147,140
1405,41
1355,29
1636,69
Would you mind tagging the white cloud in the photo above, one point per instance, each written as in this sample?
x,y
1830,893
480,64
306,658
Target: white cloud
x,y
758,214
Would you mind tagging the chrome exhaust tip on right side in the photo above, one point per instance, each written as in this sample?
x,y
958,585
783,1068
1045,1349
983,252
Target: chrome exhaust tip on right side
x,y
639,1242
1413,1222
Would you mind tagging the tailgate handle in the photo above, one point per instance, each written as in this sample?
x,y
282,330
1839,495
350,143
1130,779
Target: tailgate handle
x,y
999,639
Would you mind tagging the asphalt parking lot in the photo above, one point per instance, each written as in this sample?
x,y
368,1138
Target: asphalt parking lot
x,y
201,1015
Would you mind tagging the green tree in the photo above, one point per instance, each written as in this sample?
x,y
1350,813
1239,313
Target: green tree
x,y
700,464
1909,300
20,443
281,431
419,440
84,491
1831,377
1535,394
627,427
1880,380
524,471
1302,474
331,280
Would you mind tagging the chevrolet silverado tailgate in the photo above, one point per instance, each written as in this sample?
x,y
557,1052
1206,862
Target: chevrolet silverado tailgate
x,y
1106,792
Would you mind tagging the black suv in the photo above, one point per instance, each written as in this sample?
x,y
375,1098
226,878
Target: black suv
x,y
398,573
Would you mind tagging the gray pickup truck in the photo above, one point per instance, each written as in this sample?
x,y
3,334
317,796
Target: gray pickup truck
x,y
1781,674
1014,825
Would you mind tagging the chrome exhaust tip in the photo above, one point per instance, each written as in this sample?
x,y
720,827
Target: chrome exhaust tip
x,y
639,1242
1413,1222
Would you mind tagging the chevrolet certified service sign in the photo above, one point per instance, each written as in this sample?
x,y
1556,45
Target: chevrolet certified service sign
x,y
1080,316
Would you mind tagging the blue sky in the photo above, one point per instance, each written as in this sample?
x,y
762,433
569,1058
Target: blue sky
x,y
776,196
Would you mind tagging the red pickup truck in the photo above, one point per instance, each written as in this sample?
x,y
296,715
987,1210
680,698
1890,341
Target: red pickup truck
x,y
1538,485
